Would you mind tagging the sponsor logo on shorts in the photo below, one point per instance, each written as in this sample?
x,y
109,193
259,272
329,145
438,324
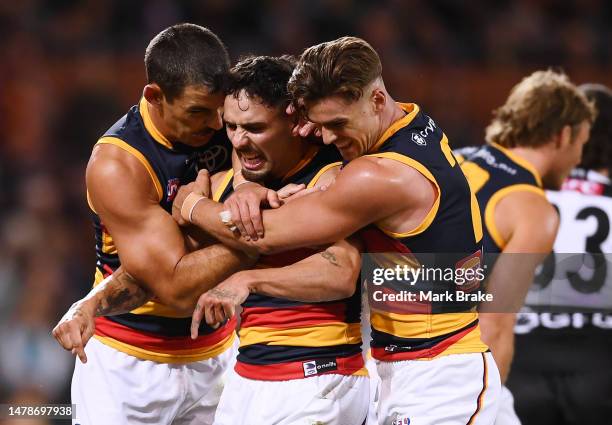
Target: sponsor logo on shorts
x,y
401,420
315,367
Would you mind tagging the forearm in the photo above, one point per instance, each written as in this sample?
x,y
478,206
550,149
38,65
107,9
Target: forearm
x,y
497,331
117,294
200,271
324,276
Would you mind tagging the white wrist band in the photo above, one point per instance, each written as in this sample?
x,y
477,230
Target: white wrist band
x,y
189,205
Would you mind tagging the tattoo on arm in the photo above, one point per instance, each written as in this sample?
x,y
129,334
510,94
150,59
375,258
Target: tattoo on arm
x,y
330,257
121,295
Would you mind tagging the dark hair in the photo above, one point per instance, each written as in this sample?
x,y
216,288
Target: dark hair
x,y
264,77
597,152
186,54
537,109
343,67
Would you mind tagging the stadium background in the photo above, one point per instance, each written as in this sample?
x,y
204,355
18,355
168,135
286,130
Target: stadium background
x,y
69,69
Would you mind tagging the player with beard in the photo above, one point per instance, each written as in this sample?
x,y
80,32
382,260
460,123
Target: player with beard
x,y
300,341
533,142
561,370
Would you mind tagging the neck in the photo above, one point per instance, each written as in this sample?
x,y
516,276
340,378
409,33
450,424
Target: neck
x,y
158,122
538,158
391,113
292,157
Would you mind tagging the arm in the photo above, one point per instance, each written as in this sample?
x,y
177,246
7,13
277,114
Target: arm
x,y
151,246
324,276
364,192
529,223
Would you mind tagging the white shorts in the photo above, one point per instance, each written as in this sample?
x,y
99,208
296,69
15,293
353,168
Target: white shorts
x,y
374,391
116,388
506,414
326,399
456,389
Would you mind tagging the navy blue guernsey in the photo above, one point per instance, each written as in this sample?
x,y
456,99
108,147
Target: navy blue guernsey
x,y
450,237
494,172
155,331
282,339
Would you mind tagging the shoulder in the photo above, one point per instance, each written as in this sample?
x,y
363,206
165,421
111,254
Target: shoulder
x,y
529,211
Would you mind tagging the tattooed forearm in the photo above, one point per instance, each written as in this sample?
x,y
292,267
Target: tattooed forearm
x,y
120,294
330,257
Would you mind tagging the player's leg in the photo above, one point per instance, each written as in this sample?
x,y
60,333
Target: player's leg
x,y
506,414
455,389
204,382
113,387
329,399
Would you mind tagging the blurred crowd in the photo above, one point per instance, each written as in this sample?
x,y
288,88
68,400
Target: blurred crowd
x,y
70,68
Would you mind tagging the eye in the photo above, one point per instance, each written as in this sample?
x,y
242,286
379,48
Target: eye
x,y
230,126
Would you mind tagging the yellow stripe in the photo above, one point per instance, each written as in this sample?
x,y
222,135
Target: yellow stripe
x,y
150,307
322,171
520,161
326,335
420,325
141,353
447,151
480,400
361,372
470,343
123,145
308,156
411,109
425,172
148,123
476,176
459,158
223,184
498,196
476,217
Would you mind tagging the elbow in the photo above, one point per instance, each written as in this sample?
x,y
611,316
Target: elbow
x,y
348,285
180,302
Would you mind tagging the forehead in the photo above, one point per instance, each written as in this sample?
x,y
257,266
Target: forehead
x,y
245,109
200,96
332,109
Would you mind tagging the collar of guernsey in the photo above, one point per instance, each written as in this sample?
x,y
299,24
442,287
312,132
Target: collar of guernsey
x,y
153,344
427,335
143,108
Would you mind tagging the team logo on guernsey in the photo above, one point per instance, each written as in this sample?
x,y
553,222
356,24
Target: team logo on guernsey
x,y
418,139
401,420
213,158
315,367
172,189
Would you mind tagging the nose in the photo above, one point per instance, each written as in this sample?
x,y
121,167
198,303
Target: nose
x,y
217,121
328,136
239,138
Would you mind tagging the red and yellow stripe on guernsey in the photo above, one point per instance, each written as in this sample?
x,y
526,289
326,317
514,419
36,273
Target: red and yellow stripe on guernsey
x,y
301,325
462,330
161,348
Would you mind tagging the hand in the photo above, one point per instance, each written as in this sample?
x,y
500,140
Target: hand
x,y
178,203
289,190
299,193
219,303
75,329
303,127
245,206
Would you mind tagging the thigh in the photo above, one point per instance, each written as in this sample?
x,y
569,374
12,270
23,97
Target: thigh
x,y
329,399
204,383
506,414
113,387
455,389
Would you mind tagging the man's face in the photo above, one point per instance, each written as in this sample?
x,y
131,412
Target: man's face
x,y
259,133
193,116
351,126
568,156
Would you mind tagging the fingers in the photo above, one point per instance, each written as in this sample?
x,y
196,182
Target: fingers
x,y
290,189
202,183
255,219
274,202
307,129
196,318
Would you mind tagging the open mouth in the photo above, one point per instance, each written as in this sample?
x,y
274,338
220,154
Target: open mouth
x,y
252,161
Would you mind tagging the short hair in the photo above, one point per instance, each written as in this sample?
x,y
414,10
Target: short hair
x,y
597,153
186,54
343,67
537,109
264,77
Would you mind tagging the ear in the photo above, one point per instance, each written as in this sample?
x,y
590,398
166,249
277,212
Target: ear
x,y
379,99
153,94
565,137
